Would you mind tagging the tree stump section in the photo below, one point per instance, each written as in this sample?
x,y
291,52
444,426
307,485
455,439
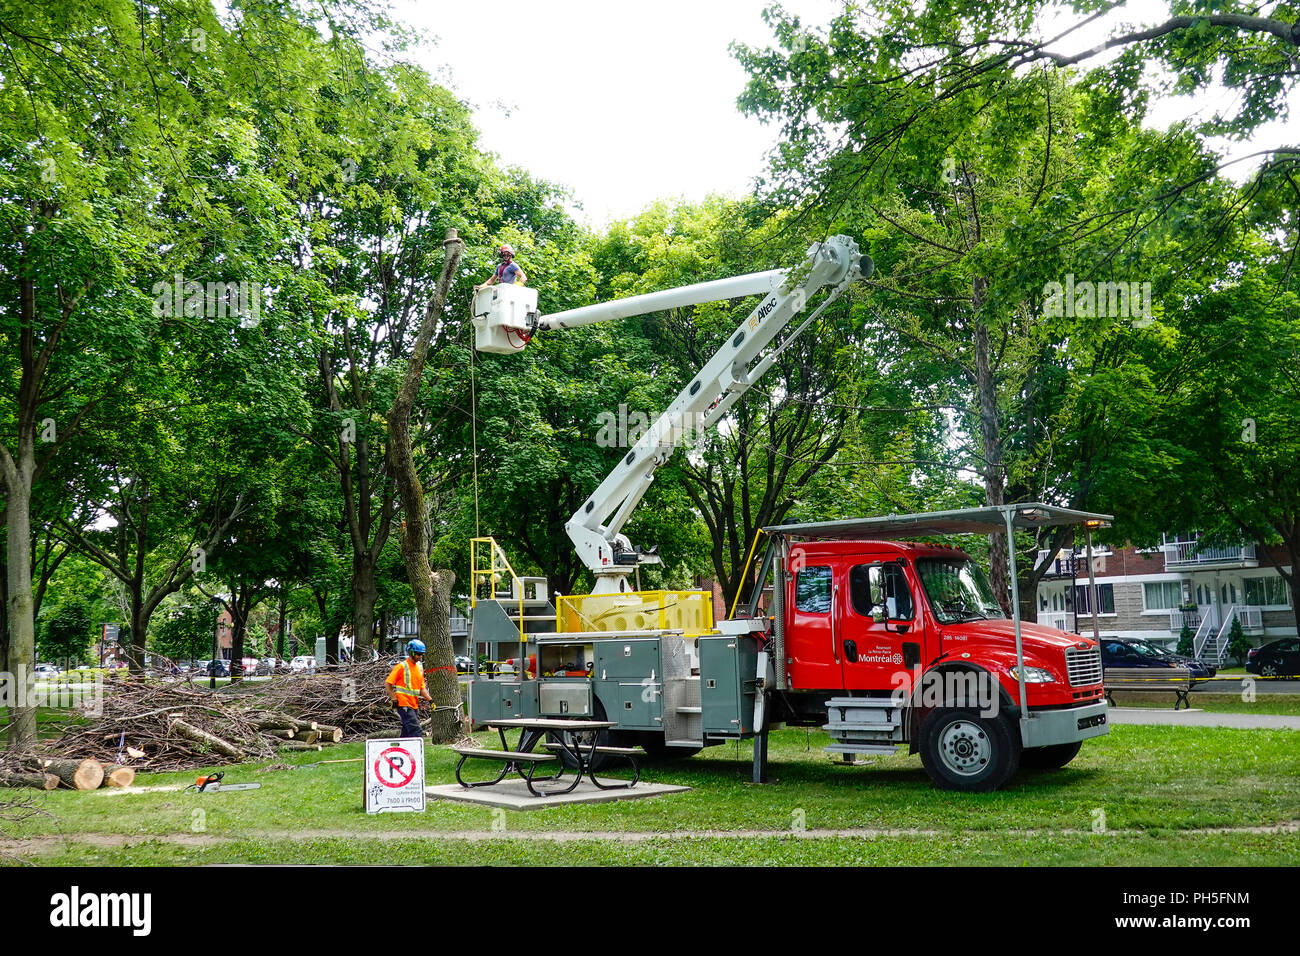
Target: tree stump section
x,y
117,775
77,774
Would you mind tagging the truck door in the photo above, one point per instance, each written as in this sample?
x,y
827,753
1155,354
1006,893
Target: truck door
x,y
875,654
813,658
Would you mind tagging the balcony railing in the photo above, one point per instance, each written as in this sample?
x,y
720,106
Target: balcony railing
x,y
1062,566
1181,554
1179,617
1061,620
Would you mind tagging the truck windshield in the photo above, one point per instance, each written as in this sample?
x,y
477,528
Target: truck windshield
x,y
957,589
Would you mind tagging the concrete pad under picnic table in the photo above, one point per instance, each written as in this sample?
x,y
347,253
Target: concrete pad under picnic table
x,y
514,795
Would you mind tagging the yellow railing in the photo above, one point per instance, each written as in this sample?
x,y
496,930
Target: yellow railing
x,y
488,567
688,611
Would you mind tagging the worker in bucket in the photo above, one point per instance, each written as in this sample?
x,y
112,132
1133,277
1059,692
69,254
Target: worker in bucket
x,y
507,272
405,687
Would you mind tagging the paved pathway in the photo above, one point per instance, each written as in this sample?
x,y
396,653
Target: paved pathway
x,y
1200,718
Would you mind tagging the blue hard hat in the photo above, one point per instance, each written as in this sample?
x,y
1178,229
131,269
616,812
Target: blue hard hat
x,y
415,647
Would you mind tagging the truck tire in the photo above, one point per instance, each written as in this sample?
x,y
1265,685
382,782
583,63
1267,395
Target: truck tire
x,y
655,748
1049,758
963,750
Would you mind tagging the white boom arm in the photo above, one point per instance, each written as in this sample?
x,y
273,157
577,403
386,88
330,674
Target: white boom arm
x,y
504,317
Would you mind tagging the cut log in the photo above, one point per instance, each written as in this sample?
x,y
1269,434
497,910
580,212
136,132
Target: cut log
x,y
117,775
281,734
305,724
274,722
330,735
36,781
307,736
190,732
298,745
77,774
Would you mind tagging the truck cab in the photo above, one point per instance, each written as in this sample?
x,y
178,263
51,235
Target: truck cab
x,y
874,616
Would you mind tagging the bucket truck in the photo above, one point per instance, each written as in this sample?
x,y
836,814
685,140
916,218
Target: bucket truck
x,y
885,644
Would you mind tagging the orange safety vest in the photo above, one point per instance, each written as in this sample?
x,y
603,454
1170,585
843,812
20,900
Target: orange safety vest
x,y
408,689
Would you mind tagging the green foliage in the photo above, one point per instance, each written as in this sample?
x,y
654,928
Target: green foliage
x,y
185,631
1238,644
66,633
1185,639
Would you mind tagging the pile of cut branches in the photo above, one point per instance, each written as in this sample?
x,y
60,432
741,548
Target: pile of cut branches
x,y
351,698
161,727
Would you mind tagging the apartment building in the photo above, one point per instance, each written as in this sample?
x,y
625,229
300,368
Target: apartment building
x,y
1151,592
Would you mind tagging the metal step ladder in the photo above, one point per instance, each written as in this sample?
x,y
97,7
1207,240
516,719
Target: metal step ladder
x,y
864,725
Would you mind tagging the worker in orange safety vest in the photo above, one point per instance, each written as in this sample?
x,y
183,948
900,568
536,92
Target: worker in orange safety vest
x,y
405,686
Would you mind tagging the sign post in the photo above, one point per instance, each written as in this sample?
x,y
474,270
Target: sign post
x,y
395,775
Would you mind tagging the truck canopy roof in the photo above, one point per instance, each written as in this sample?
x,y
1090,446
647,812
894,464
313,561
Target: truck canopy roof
x,y
962,521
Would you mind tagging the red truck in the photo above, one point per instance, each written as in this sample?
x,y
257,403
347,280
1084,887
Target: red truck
x,y
884,644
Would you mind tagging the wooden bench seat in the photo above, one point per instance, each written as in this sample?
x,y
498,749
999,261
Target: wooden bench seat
x,y
617,751
507,755
509,760
1176,679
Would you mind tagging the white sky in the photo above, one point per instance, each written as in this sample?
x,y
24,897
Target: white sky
x,y
626,103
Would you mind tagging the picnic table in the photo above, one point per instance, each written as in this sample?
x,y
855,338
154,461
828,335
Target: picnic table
x,y
525,761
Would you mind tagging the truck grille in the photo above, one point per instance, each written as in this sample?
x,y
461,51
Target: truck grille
x,y
1083,665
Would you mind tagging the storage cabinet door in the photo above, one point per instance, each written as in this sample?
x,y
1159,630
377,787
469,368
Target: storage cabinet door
x,y
640,706
627,660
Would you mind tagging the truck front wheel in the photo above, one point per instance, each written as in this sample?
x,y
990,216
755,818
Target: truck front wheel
x,y
963,750
1049,758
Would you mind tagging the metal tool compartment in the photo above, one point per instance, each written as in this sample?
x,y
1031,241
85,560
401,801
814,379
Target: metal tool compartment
x,y
728,684
628,678
564,697
626,659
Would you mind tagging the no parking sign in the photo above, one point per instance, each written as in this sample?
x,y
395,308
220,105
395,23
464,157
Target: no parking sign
x,y
394,775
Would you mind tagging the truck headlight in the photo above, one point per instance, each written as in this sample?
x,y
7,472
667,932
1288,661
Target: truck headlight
x,y
1034,675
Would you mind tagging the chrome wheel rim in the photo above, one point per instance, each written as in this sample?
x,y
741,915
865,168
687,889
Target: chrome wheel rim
x,y
965,748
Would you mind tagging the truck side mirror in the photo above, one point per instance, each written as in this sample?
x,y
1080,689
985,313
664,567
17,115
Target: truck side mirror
x,y
878,614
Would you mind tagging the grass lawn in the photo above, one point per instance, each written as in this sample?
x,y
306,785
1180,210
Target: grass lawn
x,y
1162,790
1284,704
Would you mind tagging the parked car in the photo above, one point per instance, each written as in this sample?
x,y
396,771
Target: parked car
x,y
249,665
267,665
1120,653
217,668
1198,668
303,664
464,665
47,670
1280,658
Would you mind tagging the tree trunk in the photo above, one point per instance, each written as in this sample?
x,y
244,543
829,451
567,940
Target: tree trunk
x,y
364,595
22,623
440,672
238,625
991,444
139,630
283,619
4,617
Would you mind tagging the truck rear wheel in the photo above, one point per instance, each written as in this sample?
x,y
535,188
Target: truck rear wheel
x,y
1049,758
963,750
